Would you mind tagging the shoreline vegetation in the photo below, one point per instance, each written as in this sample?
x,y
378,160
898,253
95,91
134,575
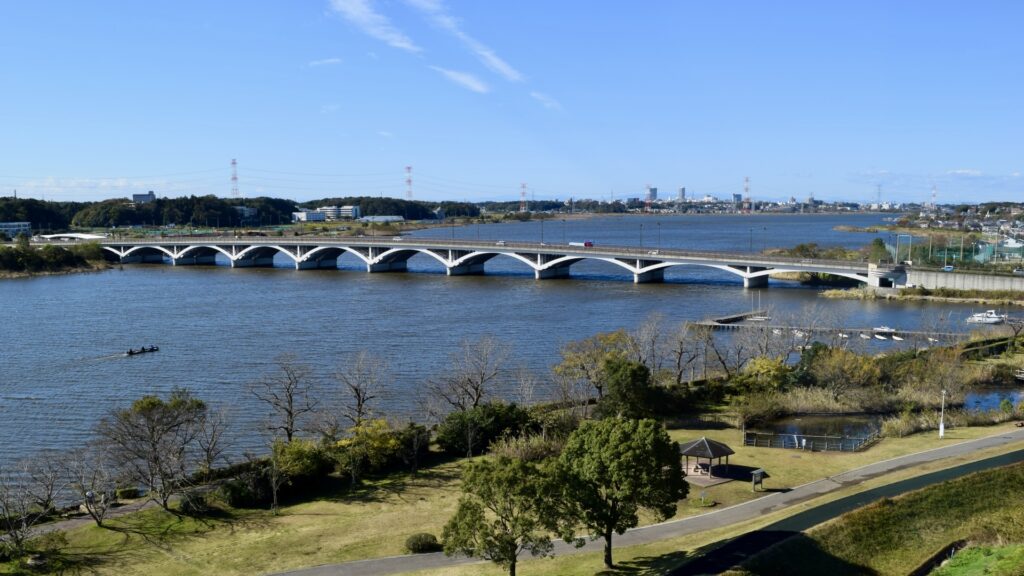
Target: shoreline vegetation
x,y
948,295
347,483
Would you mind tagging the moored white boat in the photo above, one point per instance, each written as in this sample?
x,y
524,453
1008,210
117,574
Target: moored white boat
x,y
986,317
865,336
884,329
898,338
880,337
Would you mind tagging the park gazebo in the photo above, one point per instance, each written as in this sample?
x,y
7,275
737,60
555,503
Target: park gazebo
x,y
704,448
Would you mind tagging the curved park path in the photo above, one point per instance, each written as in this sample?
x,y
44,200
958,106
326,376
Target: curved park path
x,y
734,514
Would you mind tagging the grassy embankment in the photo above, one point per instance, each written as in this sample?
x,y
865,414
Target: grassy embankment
x,y
997,298
375,520
896,536
21,260
988,560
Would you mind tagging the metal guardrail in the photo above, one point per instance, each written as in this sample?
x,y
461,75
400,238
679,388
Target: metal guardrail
x,y
817,443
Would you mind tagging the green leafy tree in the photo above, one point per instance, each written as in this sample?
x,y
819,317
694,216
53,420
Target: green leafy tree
x,y
154,443
470,431
611,468
583,360
370,444
504,510
628,390
763,373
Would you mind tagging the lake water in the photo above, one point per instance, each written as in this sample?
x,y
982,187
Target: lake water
x,y
62,338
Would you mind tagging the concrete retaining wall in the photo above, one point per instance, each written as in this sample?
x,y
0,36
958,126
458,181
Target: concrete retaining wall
x,y
962,281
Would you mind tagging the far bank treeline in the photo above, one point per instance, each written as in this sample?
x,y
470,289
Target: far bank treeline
x,y
206,211
214,211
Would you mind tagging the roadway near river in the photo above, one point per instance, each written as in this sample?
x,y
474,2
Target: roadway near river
x,y
753,542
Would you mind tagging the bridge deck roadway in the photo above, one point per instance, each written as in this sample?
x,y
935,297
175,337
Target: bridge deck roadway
x,y
646,263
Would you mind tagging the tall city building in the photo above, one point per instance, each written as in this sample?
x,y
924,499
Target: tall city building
x,y
682,193
652,193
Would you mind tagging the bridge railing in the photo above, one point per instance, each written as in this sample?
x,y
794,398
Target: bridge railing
x,y
746,258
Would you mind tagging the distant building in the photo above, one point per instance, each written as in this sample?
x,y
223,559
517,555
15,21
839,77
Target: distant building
x,y
352,212
143,198
246,212
652,193
308,216
12,229
330,212
682,194
737,198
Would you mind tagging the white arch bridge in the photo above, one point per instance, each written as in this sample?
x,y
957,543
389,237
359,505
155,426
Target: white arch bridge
x,y
461,257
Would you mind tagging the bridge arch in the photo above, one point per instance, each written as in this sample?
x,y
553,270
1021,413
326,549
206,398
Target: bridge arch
x,y
200,247
321,252
252,251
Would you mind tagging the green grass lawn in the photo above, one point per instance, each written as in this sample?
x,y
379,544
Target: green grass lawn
x,y
375,521
896,536
998,561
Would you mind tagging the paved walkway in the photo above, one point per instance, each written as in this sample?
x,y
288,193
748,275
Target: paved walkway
x,y
712,520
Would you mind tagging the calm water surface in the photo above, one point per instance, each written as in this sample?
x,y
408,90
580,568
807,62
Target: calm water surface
x,y
63,337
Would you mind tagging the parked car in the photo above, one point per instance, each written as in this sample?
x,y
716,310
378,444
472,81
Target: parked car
x,y
1018,271
947,268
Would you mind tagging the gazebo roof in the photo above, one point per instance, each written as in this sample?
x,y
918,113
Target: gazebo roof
x,y
705,448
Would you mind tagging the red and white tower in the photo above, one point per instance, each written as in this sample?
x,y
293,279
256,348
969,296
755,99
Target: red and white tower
x,y
408,182
522,197
234,179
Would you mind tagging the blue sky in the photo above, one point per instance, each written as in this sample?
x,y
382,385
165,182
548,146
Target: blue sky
x,y
586,99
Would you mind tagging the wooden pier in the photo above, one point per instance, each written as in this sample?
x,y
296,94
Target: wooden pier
x,y
735,322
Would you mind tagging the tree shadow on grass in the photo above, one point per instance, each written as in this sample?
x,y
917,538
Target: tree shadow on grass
x,y
647,565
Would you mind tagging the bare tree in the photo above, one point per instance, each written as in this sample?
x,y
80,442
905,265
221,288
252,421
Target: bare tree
x,y
526,383
19,514
683,353
154,442
647,343
211,440
363,377
46,478
289,394
93,479
472,375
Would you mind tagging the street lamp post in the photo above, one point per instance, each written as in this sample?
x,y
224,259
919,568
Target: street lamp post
x,y
750,240
641,235
942,416
563,230
541,230
659,235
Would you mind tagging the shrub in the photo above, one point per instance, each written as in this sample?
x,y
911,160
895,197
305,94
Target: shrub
x,y
469,431
528,447
251,489
194,503
422,543
127,493
302,458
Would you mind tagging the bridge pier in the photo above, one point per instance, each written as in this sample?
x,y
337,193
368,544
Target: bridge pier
x,y
208,259
260,262
649,276
756,282
323,263
466,270
549,273
396,266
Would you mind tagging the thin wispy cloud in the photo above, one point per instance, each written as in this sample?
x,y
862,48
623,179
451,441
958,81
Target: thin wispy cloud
x,y
362,15
438,14
464,79
546,101
323,62
968,172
